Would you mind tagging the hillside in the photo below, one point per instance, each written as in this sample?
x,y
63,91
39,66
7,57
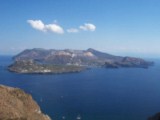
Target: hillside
x,y
15,104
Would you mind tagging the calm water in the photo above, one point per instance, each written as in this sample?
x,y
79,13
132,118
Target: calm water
x,y
96,94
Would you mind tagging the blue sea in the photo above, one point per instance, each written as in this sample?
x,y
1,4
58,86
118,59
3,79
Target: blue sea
x,y
95,94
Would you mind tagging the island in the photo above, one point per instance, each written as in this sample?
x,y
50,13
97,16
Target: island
x,y
15,104
40,60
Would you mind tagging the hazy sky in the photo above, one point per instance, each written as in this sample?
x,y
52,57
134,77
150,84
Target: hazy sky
x,y
130,27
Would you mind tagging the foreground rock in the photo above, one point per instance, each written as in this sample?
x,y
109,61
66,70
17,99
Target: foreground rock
x,y
15,104
155,117
62,61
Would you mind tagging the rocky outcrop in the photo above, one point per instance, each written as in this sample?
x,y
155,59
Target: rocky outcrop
x,y
15,104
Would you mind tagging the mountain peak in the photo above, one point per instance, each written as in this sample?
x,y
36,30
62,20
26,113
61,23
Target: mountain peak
x,y
91,49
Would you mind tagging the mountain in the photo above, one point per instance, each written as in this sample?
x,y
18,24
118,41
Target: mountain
x,y
87,58
15,104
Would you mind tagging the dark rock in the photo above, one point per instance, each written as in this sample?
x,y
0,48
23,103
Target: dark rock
x,y
155,117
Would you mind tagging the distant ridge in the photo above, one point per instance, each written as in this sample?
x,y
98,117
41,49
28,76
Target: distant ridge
x,y
66,56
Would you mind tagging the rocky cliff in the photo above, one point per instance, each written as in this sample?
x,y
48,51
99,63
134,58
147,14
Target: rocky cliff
x,y
15,104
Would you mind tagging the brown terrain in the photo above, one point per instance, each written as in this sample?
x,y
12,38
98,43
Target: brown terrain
x,y
15,104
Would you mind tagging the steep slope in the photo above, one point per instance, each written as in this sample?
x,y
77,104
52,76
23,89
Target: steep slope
x,y
15,104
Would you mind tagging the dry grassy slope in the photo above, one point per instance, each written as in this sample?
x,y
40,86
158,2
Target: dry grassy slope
x,y
15,104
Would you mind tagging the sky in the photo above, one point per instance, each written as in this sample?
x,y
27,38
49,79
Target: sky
x,y
121,27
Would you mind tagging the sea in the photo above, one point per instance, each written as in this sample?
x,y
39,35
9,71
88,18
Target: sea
x,y
94,94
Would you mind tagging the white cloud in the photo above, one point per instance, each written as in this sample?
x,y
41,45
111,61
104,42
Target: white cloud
x,y
88,27
54,28
72,30
39,25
